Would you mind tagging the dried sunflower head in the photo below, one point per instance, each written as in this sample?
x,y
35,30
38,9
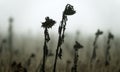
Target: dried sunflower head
x,y
110,36
69,10
48,23
99,32
77,46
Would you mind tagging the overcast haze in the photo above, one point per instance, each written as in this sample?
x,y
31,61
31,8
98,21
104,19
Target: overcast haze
x,y
91,15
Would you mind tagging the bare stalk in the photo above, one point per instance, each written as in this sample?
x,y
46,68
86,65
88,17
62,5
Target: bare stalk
x,y
98,33
76,47
107,53
68,11
10,37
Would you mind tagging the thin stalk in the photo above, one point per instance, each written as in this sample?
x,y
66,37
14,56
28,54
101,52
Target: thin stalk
x,y
60,39
97,34
68,11
107,55
94,48
44,50
75,61
10,37
77,46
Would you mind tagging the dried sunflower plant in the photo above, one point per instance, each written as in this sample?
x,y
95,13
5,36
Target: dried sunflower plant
x,y
76,47
107,53
10,40
46,25
2,46
69,10
98,33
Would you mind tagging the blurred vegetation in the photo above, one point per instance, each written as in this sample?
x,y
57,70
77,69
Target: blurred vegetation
x,y
27,50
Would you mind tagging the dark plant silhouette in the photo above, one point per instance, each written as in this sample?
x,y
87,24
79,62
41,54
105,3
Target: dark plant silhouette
x,y
1,46
10,39
107,55
76,47
47,24
98,33
69,10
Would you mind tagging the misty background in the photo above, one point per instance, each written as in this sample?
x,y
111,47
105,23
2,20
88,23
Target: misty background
x,y
91,15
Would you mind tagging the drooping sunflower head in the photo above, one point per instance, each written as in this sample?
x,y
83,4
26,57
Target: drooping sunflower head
x,y
69,10
48,23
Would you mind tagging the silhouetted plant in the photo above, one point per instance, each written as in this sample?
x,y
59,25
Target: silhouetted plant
x,y
77,46
107,56
98,33
69,10
47,24
10,37
1,45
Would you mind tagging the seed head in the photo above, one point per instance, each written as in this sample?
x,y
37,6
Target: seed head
x,y
69,10
48,23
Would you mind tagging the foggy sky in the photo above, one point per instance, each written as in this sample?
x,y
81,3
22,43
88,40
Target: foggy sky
x,y
90,15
